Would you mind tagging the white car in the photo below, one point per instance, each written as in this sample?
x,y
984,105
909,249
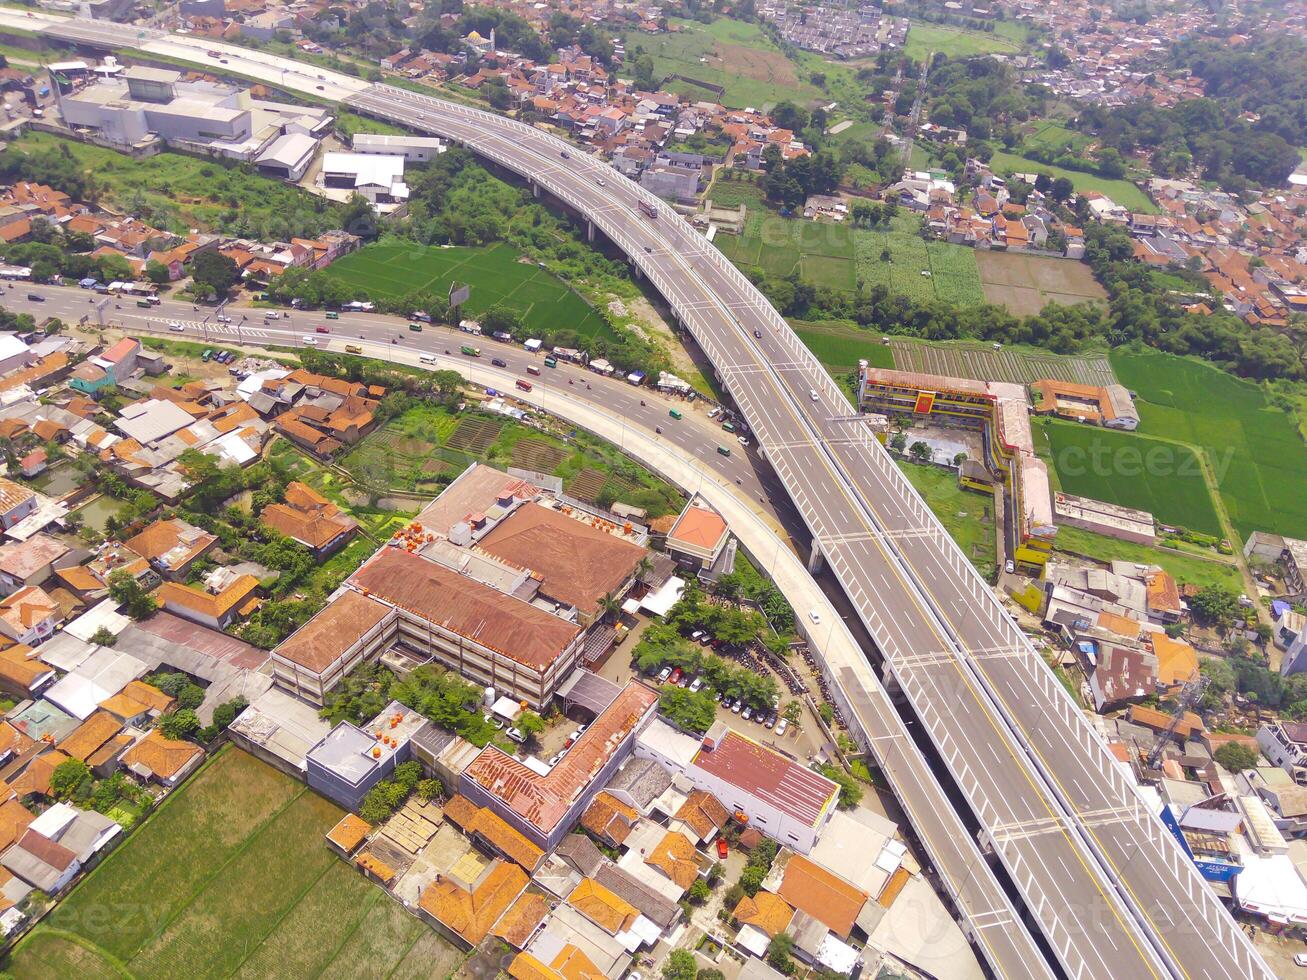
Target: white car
x,y
428,359
735,708
272,315
748,713
744,442
782,725
663,674
515,735
310,340
812,393
555,760
175,327
696,684
815,617
223,318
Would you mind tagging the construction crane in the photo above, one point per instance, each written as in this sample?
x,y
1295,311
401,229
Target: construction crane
x,y
1189,695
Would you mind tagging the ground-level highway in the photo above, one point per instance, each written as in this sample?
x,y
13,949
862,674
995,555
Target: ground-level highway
x,y
1110,889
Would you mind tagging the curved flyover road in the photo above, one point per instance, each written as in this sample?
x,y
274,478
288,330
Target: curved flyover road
x,y
1106,883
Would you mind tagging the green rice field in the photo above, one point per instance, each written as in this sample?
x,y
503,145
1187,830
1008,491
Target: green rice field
x,y
495,273
1256,452
839,345
1130,469
231,877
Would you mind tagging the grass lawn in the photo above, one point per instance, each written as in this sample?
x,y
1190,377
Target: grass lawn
x,y
923,39
1055,138
1130,469
1185,568
839,344
230,877
1121,191
497,276
1256,451
967,516
423,449
179,192
731,53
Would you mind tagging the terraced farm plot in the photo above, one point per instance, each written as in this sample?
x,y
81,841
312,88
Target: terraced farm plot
x,y
475,435
1130,469
537,455
1256,452
980,362
1025,284
496,273
587,485
231,877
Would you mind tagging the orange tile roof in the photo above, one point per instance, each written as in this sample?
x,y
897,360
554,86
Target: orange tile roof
x,y
472,913
19,666
350,831
765,911
699,527
307,517
206,603
162,537
892,887
27,607
1177,661
609,818
520,921
704,813
14,818
1120,625
87,737
378,868
825,896
602,907
544,800
498,832
675,857
165,757
149,695
317,644
1163,593
36,777
12,740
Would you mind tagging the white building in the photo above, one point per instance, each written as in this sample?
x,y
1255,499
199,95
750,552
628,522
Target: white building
x,y
786,801
288,157
379,178
414,149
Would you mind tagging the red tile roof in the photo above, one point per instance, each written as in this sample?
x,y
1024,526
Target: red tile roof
x,y
791,788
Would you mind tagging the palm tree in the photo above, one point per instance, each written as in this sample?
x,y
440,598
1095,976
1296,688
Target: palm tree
x,y
608,605
643,567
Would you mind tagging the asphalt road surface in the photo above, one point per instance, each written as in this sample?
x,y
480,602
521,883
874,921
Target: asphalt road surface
x,y
1110,888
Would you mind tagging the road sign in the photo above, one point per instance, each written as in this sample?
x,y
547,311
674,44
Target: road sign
x,y
458,294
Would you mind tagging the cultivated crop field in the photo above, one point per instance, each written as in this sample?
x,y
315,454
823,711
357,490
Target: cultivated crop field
x,y
953,274
495,273
1025,284
925,39
1130,469
839,345
980,362
1256,451
230,877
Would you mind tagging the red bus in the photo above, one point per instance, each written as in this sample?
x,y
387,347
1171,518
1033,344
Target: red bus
x,y
524,385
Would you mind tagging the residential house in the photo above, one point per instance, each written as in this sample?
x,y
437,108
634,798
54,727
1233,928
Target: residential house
x,y
310,519
172,547
29,616
16,502
216,610
29,562
163,760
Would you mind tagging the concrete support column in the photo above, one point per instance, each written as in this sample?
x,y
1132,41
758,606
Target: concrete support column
x,y
535,189
589,231
816,561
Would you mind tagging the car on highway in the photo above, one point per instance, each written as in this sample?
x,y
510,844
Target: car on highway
x,y
724,450
523,385
758,334
415,327
322,329
532,369
674,413
272,315
35,298
565,155
322,88
353,349
648,249
175,327
498,362
815,617
744,441
812,393
310,340
601,182
333,316
428,358
223,318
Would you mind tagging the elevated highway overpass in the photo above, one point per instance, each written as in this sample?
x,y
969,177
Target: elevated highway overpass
x,y
1104,881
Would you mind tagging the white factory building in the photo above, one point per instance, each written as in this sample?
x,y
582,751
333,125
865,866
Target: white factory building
x,y
379,178
144,104
414,149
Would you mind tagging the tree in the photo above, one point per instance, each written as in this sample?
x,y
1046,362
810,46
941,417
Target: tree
x,y
778,953
530,724
103,637
644,73
710,973
67,777
898,441
920,451
698,892
850,791
1236,757
691,710
680,965
157,272
179,725
1215,605
190,696
215,270
127,592
226,713
430,789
